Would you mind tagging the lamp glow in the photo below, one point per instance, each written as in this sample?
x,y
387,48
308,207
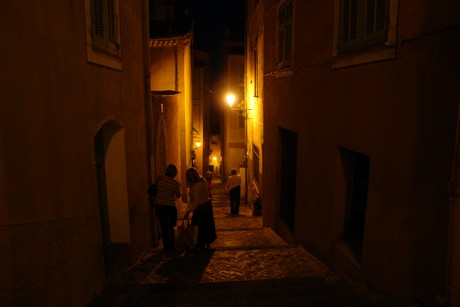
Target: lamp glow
x,y
230,99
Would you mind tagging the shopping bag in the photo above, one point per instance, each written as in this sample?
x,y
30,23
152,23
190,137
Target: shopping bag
x,y
186,235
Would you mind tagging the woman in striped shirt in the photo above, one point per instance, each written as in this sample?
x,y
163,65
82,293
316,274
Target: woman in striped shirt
x,y
165,205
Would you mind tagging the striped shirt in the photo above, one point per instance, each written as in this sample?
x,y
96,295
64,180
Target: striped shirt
x,y
168,191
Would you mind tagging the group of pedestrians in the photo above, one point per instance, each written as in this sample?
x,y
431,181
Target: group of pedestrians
x,y
168,189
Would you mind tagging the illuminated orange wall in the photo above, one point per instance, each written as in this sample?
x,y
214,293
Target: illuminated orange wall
x,y
171,70
254,91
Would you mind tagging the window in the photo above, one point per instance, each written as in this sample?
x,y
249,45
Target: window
x,y
363,23
103,39
285,29
104,27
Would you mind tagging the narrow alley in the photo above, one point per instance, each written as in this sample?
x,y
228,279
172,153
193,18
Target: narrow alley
x,y
249,265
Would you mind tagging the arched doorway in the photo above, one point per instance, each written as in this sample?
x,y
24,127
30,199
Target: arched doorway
x,y
109,146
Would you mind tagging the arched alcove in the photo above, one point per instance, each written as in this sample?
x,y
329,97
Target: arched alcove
x,y
109,145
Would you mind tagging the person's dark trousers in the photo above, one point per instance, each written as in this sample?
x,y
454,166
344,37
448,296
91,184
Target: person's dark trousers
x,y
235,200
203,217
167,215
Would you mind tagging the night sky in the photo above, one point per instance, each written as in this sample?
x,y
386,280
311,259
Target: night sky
x,y
210,18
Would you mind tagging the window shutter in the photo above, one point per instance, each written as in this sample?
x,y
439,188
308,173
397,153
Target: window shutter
x,y
350,20
280,46
285,25
102,32
288,42
98,18
375,16
104,27
363,23
380,18
112,21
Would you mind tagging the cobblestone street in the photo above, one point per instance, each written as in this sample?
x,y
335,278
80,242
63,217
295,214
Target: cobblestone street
x,y
249,265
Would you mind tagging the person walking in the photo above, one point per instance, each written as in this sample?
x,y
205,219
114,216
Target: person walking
x,y
201,207
168,189
234,189
208,177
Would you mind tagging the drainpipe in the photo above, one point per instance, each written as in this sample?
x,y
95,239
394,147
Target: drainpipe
x,y
176,70
148,113
453,265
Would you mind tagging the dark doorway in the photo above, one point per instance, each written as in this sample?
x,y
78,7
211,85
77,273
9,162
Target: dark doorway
x,y
288,176
356,170
99,149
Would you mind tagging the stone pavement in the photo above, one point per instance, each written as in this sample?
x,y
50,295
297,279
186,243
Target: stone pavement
x,y
249,265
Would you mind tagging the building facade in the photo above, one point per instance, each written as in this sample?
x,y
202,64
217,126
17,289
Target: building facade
x,y
359,104
231,98
171,85
74,170
254,93
235,119
201,110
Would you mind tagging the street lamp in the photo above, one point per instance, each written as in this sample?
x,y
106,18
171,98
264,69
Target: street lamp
x,y
230,98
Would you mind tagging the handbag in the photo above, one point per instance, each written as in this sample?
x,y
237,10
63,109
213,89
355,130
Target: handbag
x,y
186,235
152,191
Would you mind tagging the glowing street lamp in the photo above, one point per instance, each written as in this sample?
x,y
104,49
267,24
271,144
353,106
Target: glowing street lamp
x,y
230,99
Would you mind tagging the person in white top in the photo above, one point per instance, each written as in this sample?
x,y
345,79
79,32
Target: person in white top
x,y
201,206
234,190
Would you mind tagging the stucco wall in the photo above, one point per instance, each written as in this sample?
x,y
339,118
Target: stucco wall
x,y
53,103
401,112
